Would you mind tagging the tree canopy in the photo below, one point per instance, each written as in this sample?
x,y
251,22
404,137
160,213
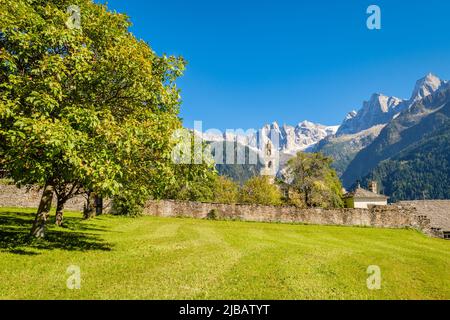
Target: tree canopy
x,y
84,108
313,181
260,190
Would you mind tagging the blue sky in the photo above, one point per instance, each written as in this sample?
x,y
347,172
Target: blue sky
x,y
254,62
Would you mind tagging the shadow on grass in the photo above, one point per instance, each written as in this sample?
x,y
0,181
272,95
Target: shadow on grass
x,y
75,236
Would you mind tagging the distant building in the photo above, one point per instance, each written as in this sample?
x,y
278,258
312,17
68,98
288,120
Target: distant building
x,y
270,161
362,198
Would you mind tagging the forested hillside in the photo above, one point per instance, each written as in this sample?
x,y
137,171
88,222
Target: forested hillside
x,y
420,171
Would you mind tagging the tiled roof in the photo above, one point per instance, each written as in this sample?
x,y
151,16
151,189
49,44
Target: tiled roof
x,y
365,194
438,211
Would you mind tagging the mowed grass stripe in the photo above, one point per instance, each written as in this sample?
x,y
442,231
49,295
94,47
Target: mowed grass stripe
x,y
159,258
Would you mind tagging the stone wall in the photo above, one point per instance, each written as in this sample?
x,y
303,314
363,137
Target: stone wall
x,y
438,211
11,196
403,215
394,216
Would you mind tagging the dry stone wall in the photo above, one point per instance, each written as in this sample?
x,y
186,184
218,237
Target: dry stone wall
x,y
11,196
403,215
438,211
394,216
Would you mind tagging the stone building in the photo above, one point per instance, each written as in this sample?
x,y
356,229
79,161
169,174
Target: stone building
x,y
270,161
361,198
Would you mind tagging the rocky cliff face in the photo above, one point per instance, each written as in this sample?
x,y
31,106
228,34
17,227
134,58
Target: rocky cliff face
x,y
426,87
381,109
344,148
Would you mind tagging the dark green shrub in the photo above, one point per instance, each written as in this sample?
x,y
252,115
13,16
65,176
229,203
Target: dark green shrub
x,y
212,215
127,206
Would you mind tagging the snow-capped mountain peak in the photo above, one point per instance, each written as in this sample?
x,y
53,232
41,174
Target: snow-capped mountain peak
x,y
426,86
380,109
306,124
291,139
375,111
275,126
380,102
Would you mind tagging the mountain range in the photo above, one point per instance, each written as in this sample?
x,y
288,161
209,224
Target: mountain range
x,y
361,128
381,109
428,96
386,139
290,139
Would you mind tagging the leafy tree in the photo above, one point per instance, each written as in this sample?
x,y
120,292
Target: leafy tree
x,y
226,190
200,188
193,177
88,108
260,190
206,188
314,181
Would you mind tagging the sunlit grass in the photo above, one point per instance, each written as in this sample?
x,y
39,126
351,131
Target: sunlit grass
x,y
157,258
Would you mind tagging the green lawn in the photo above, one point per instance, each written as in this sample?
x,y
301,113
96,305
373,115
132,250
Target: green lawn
x,y
156,258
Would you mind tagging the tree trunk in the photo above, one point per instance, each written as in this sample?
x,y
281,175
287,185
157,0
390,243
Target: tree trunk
x,y
98,205
38,229
307,198
59,212
90,210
